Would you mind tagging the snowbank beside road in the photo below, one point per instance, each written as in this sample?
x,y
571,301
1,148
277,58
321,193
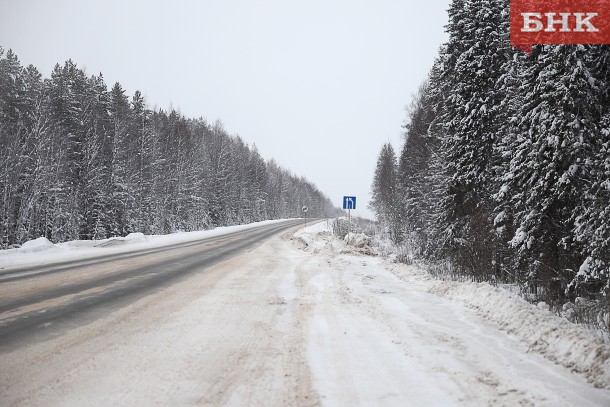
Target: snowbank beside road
x,y
555,338
41,250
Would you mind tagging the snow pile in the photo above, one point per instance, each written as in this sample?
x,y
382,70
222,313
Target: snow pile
x,y
359,240
36,245
317,238
557,339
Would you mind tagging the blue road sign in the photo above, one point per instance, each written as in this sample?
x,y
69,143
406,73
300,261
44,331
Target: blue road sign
x,y
349,202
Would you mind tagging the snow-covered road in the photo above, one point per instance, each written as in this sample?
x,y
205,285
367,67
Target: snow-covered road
x,y
297,321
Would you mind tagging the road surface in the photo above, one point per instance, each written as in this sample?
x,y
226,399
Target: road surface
x,y
39,301
259,318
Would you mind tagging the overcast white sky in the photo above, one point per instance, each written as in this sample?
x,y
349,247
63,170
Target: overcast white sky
x,y
319,85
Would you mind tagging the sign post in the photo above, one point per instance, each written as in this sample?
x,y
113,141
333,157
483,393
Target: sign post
x,y
305,209
349,203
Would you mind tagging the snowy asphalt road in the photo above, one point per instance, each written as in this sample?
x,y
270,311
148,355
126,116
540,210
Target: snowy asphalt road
x,y
37,303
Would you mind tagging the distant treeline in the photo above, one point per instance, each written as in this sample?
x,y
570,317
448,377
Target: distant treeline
x,y
78,161
505,168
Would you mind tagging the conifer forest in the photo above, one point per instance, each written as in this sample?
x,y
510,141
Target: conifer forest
x,y
504,174
81,161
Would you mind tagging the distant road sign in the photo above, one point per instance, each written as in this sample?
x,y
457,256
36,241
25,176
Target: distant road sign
x,y
305,209
349,202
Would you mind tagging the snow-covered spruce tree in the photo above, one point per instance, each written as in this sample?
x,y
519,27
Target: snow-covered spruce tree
x,y
280,202
97,161
239,207
436,179
592,228
472,112
510,102
549,173
385,199
14,133
201,165
256,192
181,172
141,165
121,189
412,163
593,214
275,188
219,153
68,109
416,187
170,169
35,170
15,117
599,63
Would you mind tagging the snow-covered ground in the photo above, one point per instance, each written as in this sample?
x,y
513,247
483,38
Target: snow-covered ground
x,y
310,320
41,250
398,336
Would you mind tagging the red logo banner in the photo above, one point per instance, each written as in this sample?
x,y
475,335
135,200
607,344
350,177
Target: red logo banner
x,y
559,22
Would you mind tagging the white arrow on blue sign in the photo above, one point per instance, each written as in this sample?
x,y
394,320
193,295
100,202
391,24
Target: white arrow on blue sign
x,y
349,202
